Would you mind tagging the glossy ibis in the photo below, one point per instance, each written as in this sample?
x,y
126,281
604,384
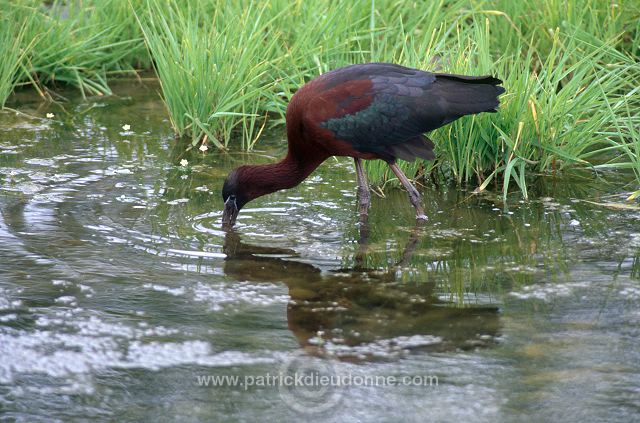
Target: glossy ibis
x,y
366,111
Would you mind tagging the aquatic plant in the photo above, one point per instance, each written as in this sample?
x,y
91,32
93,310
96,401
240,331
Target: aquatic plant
x,y
12,50
212,67
74,43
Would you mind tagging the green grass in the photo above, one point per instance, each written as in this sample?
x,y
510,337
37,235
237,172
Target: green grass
x,y
228,69
560,115
213,76
562,108
77,43
12,49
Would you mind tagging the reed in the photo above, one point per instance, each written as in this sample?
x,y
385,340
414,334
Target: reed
x,y
13,49
213,66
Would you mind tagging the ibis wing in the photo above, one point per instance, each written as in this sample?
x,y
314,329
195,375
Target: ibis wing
x,y
400,104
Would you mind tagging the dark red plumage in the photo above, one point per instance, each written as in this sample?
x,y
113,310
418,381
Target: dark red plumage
x,y
367,111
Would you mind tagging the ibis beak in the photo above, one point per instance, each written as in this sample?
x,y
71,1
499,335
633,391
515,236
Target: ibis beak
x,y
230,212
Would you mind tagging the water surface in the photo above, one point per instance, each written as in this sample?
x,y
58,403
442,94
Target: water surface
x,y
120,295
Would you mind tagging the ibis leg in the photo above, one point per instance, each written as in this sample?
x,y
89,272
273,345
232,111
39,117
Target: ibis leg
x,y
414,195
364,196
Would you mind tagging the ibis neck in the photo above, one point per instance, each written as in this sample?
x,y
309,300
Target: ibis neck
x,y
264,179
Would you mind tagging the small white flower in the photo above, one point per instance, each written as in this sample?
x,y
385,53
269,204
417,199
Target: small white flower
x,y
203,148
50,115
126,127
184,176
184,162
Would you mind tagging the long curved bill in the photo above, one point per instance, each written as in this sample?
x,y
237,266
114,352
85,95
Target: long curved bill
x,y
230,213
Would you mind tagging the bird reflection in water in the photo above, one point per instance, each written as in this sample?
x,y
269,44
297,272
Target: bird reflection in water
x,y
358,313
